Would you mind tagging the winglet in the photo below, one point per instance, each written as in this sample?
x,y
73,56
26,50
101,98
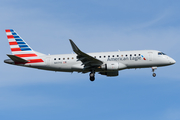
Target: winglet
x,y
74,47
86,59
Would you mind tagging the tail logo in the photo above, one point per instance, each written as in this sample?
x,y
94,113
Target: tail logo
x,y
16,42
20,48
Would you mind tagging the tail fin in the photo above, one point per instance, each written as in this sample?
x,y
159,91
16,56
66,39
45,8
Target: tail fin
x,y
20,48
17,44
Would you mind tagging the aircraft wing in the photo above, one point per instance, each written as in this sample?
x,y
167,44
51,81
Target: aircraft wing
x,y
87,60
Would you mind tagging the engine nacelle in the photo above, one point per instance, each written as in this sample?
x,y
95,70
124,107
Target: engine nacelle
x,y
110,74
113,66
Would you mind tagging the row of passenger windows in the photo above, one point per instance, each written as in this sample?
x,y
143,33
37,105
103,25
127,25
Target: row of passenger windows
x,y
99,56
119,55
63,58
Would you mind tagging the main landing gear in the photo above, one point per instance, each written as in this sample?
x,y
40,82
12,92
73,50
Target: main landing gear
x,y
92,75
153,69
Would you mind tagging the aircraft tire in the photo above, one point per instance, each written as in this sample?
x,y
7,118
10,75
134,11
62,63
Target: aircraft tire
x,y
92,78
154,74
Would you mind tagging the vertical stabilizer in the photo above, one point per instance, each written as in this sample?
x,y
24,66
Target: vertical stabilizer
x,y
20,48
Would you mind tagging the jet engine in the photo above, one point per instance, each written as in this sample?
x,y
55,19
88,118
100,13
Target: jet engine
x,y
113,66
110,74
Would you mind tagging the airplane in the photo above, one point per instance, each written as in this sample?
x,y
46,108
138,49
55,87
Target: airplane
x,y
105,63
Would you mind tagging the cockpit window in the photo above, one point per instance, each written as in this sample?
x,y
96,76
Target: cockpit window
x,y
161,53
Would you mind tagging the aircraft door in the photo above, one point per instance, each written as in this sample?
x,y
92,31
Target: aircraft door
x,y
48,60
150,56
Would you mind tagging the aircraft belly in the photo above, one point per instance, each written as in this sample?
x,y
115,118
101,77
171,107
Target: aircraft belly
x,y
140,65
77,67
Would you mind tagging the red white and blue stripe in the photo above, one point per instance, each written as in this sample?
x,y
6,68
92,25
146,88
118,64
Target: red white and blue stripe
x,y
20,48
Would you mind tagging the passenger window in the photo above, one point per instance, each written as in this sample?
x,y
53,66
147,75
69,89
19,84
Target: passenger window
x,y
134,54
104,56
94,56
126,55
113,56
130,54
54,58
108,55
59,58
121,55
72,58
67,58
99,56
63,58
139,54
117,55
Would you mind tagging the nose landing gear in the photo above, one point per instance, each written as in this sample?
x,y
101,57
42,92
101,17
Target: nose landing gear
x,y
153,69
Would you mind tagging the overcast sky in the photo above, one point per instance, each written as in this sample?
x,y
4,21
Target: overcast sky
x,y
95,26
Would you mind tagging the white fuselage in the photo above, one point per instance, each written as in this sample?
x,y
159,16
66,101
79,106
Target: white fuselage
x,y
131,59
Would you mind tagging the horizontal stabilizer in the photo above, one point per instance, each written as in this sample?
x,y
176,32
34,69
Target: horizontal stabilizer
x,y
17,59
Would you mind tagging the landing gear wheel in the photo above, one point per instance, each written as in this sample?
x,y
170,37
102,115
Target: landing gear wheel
x,y
154,74
92,78
153,69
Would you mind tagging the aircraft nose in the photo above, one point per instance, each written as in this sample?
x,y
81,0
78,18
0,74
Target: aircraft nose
x,y
172,61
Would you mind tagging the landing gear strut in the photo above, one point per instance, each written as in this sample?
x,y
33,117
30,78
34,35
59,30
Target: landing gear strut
x,y
92,75
153,69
